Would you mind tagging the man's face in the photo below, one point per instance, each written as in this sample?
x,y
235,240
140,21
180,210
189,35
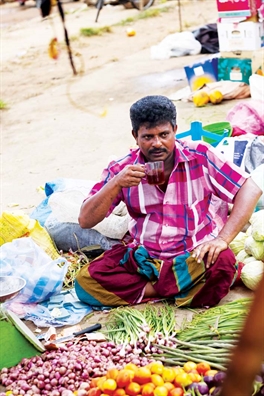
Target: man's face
x,y
157,143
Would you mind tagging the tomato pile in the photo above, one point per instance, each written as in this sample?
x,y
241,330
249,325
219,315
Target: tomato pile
x,y
155,379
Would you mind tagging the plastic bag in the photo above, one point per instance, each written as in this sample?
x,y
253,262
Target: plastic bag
x,y
17,224
176,44
247,117
44,277
62,206
208,37
255,154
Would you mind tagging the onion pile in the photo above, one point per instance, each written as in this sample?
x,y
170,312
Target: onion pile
x,y
70,367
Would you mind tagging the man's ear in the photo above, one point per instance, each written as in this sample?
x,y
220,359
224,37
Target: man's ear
x,y
175,128
134,134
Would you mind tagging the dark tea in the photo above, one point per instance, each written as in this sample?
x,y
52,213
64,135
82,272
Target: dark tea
x,y
157,178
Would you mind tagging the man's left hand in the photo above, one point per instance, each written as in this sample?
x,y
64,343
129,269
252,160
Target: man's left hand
x,y
213,248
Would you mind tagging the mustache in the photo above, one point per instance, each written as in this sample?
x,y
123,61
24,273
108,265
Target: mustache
x,y
153,151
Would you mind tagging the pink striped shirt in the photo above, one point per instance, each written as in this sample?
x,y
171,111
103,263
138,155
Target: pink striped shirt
x,y
175,221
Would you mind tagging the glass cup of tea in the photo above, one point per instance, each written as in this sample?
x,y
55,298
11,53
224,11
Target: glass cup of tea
x,y
155,172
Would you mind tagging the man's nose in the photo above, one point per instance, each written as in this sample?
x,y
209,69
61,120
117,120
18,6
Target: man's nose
x,y
157,141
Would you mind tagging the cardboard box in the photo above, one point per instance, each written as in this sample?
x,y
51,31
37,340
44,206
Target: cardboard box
x,y
257,58
238,8
244,36
233,69
201,73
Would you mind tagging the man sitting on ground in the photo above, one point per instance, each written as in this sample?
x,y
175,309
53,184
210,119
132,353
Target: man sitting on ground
x,y
176,250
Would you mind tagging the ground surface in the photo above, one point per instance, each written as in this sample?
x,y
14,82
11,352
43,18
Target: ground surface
x,y
52,125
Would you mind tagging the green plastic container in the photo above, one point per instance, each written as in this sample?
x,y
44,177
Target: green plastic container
x,y
218,128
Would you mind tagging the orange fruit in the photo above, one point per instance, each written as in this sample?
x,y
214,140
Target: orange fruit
x,y
130,32
119,392
147,389
142,375
108,386
211,372
156,367
195,377
168,374
161,391
124,377
94,382
131,366
94,392
133,389
188,366
202,367
169,385
112,373
183,379
177,370
157,379
100,382
177,392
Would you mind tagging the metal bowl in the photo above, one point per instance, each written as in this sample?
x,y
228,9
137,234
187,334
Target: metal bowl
x,y
10,286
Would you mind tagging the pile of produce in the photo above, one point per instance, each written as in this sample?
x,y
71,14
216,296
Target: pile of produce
x,y
202,98
144,340
142,329
249,249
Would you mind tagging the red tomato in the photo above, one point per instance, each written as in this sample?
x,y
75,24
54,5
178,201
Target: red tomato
x,y
202,367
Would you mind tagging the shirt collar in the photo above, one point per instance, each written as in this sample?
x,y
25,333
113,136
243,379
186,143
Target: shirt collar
x,y
182,151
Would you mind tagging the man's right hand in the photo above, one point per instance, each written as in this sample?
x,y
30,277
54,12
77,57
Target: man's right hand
x,y
130,176
95,208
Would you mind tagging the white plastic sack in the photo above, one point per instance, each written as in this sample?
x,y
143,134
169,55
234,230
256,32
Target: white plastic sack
x,y
258,177
44,277
176,44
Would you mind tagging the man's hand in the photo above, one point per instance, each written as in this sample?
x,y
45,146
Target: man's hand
x,y
213,248
130,176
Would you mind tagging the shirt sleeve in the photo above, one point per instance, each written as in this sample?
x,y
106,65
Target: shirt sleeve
x,y
107,174
225,177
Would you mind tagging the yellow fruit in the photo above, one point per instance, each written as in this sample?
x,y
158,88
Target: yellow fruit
x,y
215,97
130,32
200,98
156,367
53,49
168,374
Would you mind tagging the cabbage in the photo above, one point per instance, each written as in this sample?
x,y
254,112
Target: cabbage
x,y
254,248
249,231
242,256
238,243
257,224
248,259
252,273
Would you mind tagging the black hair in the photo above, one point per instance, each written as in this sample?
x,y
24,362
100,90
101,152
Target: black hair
x,y
152,111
